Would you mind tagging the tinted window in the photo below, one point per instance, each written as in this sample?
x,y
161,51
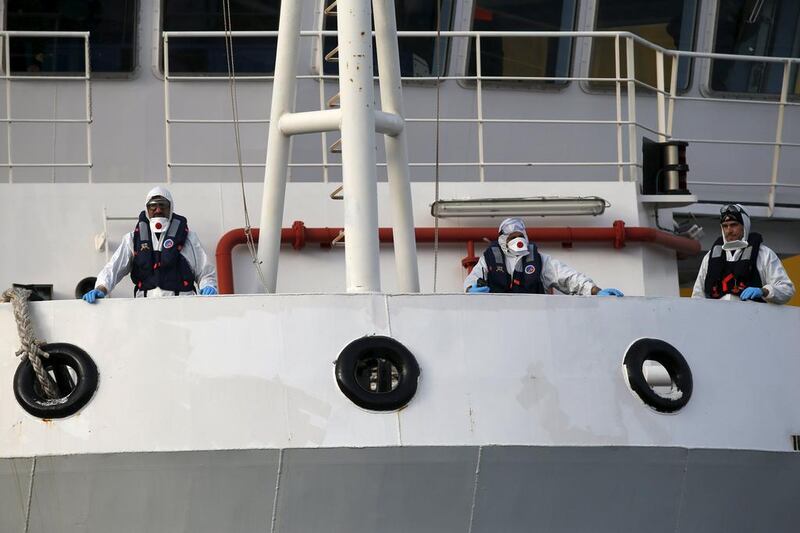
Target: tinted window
x,y
112,24
755,28
252,55
667,23
418,57
523,56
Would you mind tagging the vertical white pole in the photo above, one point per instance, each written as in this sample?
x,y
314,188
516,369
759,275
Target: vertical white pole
x,y
673,91
405,244
479,96
358,146
88,74
8,107
660,100
776,153
618,95
278,144
632,134
167,143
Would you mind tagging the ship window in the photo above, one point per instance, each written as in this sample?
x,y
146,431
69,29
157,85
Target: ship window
x,y
755,28
252,55
112,27
523,56
667,23
418,57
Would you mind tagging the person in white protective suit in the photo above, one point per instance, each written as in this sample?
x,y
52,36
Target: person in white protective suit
x,y
740,266
162,255
513,264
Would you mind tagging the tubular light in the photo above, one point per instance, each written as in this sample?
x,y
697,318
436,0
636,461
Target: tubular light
x,y
541,206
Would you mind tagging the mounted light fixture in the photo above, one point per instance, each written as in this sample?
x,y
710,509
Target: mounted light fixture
x,y
542,206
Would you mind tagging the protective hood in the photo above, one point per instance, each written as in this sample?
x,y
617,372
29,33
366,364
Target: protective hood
x,y
161,191
741,243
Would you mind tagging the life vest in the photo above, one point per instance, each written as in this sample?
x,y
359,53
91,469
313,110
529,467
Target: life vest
x,y
732,277
168,269
527,275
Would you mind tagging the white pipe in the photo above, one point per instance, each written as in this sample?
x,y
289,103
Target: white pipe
x,y
310,122
632,136
278,144
167,135
393,125
88,103
405,244
358,146
660,101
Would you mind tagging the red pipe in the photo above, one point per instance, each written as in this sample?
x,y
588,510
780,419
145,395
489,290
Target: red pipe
x,y
299,235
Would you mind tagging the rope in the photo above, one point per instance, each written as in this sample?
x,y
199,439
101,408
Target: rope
x,y
437,55
30,347
251,245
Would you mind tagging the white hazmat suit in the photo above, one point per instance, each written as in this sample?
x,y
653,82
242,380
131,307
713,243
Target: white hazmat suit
x,y
555,274
120,263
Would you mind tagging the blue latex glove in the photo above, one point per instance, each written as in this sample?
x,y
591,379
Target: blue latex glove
x,y
93,295
478,289
610,292
208,291
752,293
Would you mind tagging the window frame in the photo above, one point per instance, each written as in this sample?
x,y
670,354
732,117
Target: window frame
x,y
586,56
157,66
135,45
465,50
708,91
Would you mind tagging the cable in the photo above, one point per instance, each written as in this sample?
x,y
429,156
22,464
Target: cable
x,y
251,246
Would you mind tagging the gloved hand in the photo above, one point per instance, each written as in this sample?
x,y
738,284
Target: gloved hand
x,y
478,289
208,291
93,295
610,292
752,293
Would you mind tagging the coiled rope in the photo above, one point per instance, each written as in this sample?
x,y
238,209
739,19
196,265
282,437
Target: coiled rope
x,y
30,347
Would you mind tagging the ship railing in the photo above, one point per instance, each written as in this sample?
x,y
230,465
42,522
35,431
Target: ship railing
x,y
12,78
626,86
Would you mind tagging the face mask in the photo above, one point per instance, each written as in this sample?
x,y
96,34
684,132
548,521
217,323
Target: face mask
x,y
158,224
517,245
734,245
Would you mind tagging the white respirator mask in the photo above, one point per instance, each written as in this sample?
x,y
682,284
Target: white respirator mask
x,y
159,224
517,246
734,245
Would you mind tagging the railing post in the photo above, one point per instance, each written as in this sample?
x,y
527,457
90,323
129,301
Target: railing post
x,y
479,103
632,134
673,91
7,61
618,95
405,244
776,152
278,144
88,92
660,100
167,142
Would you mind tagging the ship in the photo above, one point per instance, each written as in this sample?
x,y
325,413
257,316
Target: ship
x,y
342,380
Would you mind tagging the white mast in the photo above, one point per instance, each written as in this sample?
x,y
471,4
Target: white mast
x,y
357,119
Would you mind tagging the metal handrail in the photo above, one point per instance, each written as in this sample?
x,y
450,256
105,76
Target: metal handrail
x,y
626,153
9,120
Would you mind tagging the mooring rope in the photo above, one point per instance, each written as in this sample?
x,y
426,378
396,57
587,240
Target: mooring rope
x,y
30,347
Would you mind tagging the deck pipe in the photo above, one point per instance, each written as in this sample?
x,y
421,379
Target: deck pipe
x,y
299,235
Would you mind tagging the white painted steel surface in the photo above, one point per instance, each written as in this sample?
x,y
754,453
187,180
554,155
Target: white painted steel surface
x,y
359,177
280,145
257,372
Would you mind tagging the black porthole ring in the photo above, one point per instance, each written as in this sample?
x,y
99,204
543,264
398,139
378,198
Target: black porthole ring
x,y
671,359
85,383
377,346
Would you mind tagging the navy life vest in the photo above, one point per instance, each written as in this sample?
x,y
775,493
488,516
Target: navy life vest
x,y
167,269
732,277
527,275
